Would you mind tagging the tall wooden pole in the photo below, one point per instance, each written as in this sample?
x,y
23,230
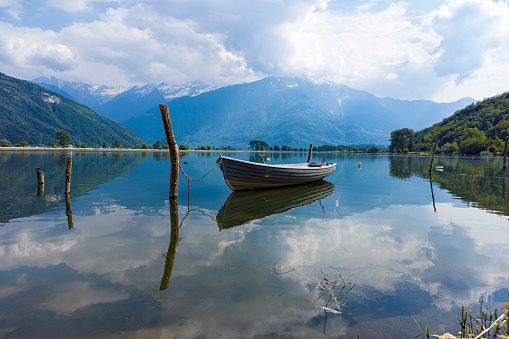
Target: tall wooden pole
x,y
68,172
505,152
174,151
434,148
309,152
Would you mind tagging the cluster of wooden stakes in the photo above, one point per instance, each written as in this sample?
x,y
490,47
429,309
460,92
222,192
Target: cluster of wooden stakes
x,y
40,189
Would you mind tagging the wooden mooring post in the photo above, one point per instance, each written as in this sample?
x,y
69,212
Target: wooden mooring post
x,y
68,172
174,151
40,176
309,152
40,182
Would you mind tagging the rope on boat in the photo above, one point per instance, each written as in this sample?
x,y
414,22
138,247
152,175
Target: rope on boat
x,y
189,179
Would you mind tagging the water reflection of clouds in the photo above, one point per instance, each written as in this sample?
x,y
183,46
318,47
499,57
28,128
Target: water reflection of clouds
x,y
391,247
73,296
451,254
126,248
379,249
111,244
17,285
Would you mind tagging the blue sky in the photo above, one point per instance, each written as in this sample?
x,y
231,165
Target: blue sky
x,y
415,49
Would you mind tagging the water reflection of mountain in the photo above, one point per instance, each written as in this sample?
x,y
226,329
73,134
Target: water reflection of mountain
x,y
243,207
18,180
479,180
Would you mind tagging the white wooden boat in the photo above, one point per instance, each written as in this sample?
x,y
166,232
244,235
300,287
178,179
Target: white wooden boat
x,y
242,175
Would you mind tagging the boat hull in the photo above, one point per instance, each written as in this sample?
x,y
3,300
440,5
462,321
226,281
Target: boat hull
x,y
242,175
246,206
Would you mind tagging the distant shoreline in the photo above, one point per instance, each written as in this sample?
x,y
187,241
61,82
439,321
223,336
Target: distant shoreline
x,y
138,150
76,149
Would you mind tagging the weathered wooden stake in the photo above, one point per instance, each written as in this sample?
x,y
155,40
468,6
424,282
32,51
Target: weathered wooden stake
x,y
174,151
309,152
40,190
40,176
68,172
505,152
172,247
68,211
40,182
434,148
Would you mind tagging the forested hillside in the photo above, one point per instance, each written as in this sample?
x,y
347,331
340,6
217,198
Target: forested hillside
x,y
478,127
33,114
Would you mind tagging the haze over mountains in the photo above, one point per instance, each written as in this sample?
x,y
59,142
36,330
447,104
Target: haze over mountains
x,y
282,111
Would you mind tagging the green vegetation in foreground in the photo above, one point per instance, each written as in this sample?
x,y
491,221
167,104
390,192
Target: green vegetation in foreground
x,y
488,324
480,127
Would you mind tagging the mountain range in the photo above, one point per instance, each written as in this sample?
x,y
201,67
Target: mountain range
x,y
294,112
119,103
282,111
31,113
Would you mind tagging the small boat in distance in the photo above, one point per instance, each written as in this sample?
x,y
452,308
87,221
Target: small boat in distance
x,y
241,175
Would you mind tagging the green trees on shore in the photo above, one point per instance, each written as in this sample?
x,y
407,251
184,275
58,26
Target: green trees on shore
x,y
480,127
116,144
258,145
63,138
163,146
402,140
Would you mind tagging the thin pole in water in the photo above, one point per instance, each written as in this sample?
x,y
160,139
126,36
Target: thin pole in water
x,y
434,148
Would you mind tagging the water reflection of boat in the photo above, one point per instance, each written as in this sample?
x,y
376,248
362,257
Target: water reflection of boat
x,y
243,207
243,175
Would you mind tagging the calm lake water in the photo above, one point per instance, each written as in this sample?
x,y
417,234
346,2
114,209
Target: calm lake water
x,y
391,250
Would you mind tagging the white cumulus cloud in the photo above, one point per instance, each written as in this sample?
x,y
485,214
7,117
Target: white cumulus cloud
x,y
26,48
440,49
470,30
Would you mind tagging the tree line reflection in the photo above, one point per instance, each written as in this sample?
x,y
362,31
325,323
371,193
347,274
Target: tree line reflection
x,y
478,181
